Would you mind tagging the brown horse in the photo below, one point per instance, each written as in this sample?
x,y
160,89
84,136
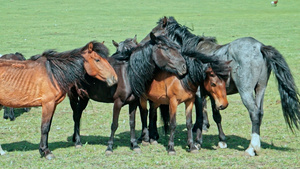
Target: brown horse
x,y
167,88
45,80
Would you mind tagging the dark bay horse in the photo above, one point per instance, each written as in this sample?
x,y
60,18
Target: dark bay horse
x,y
167,88
158,53
252,63
46,80
10,112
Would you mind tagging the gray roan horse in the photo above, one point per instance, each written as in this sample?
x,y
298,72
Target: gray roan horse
x,y
252,63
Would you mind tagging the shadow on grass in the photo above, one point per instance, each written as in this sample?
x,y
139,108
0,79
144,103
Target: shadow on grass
x,y
123,140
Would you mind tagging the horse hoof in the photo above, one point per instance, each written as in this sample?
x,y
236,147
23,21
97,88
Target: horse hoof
x,y
153,142
108,152
2,153
137,150
172,153
250,152
145,143
222,144
198,146
194,151
49,156
78,146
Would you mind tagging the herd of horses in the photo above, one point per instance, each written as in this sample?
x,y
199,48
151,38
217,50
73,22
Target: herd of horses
x,y
168,67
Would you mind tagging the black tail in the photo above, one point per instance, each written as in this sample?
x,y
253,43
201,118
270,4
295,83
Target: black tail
x,y
286,85
165,116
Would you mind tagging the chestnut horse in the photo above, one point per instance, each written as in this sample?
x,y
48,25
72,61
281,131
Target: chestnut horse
x,y
46,80
252,63
167,88
158,53
10,112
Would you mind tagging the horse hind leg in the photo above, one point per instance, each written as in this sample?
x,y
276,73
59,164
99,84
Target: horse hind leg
x,y
11,114
255,116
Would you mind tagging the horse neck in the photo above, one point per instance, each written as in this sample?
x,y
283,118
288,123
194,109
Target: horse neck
x,y
140,70
195,76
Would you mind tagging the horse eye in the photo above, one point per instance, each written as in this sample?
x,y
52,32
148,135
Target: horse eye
x,y
213,84
97,60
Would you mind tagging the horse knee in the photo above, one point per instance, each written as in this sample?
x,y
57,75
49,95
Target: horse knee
x,y
114,126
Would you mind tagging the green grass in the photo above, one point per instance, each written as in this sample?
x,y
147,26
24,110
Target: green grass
x,y
32,26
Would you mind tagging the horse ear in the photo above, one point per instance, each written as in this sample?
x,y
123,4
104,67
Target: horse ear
x,y
103,42
165,20
152,37
115,44
134,39
90,48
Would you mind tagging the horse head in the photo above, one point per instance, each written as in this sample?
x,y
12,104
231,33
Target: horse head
x,y
126,46
167,55
215,84
98,67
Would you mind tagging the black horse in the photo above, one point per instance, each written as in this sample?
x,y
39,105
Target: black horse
x,y
10,112
159,52
252,63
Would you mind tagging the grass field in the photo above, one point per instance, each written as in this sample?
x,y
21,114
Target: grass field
x,y
33,26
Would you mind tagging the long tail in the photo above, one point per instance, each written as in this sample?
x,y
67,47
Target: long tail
x,y
286,85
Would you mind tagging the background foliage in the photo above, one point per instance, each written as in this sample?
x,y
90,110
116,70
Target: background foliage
x,y
33,26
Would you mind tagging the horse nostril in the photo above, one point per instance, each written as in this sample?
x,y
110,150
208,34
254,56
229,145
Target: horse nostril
x,y
184,67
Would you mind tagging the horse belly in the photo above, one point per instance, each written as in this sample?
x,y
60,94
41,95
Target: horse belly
x,y
17,97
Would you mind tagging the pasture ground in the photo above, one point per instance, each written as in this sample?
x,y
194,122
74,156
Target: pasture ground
x,y
33,26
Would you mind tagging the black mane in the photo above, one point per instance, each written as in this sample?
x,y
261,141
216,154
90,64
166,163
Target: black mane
x,y
67,68
141,68
197,64
183,36
141,65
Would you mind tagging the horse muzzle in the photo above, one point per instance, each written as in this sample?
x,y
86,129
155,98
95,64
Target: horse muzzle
x,y
111,81
222,106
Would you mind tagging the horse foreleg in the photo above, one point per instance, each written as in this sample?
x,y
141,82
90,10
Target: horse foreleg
x,y
199,121
114,126
133,141
153,133
144,115
77,106
206,124
189,124
172,111
47,115
218,118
